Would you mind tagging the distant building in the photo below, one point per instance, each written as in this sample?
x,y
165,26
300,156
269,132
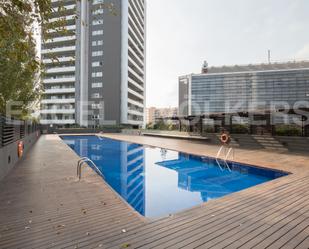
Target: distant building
x,y
153,113
99,76
229,89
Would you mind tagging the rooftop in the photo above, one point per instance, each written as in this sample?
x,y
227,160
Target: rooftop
x,y
259,67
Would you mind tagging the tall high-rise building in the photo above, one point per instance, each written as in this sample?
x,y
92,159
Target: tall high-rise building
x,y
99,75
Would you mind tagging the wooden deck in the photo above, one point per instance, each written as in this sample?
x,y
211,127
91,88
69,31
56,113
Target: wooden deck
x,y
188,137
42,205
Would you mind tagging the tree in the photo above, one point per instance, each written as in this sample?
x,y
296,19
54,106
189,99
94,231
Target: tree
x,y
20,68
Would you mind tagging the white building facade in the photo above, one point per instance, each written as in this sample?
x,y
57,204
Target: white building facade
x,y
95,69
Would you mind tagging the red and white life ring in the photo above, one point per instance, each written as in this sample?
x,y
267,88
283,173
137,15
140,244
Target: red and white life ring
x,y
20,149
225,138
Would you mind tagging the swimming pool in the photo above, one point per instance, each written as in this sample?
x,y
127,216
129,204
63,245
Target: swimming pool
x,y
157,182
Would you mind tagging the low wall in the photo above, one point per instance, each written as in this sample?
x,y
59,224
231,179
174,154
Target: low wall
x,y
8,154
131,132
80,130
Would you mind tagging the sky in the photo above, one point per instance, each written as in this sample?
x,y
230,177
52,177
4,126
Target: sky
x,y
181,34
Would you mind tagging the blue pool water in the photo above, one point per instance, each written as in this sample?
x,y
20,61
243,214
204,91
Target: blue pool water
x,y
157,182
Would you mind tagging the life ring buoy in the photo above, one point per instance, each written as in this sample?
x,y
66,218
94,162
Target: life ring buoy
x,y
20,149
225,138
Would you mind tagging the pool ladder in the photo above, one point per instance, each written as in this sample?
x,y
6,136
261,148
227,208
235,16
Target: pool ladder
x,y
226,156
86,160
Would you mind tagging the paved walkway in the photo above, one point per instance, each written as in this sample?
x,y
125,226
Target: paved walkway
x,y
42,205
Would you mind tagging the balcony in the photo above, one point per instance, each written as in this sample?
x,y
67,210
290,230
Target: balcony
x,y
135,39
137,68
136,93
137,50
136,30
135,57
59,59
135,112
138,77
67,7
59,90
59,80
135,122
138,22
133,102
61,39
60,69
57,121
138,12
67,18
57,101
58,50
69,27
57,111
135,84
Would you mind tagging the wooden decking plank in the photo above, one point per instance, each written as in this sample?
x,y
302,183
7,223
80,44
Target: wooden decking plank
x,y
203,211
263,235
194,235
191,225
63,235
281,228
117,216
62,210
89,232
271,214
288,233
138,234
304,243
73,222
300,241
253,225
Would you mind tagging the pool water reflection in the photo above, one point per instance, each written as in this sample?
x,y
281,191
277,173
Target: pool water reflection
x,y
157,182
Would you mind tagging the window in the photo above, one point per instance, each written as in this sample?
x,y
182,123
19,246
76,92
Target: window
x,y
97,63
97,43
97,74
97,22
97,85
97,32
97,53
97,12
95,95
97,1
96,106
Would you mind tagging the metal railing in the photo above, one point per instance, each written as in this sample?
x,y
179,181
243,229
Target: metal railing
x,y
86,160
226,155
12,130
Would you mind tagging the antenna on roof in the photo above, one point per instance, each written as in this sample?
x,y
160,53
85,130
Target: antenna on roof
x,y
205,67
268,56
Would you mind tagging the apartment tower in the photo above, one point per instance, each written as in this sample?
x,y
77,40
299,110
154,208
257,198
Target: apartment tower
x,y
98,77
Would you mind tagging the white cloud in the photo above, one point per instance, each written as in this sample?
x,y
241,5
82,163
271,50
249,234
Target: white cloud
x,y
303,53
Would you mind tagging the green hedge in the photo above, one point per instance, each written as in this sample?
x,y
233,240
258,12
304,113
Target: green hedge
x,y
287,130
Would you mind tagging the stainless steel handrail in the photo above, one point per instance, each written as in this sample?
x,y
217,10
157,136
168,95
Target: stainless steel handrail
x,y
84,160
226,155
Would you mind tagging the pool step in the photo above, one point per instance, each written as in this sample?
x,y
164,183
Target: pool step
x,y
270,143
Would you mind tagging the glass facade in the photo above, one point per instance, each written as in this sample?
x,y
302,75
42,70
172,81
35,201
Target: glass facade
x,y
229,92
